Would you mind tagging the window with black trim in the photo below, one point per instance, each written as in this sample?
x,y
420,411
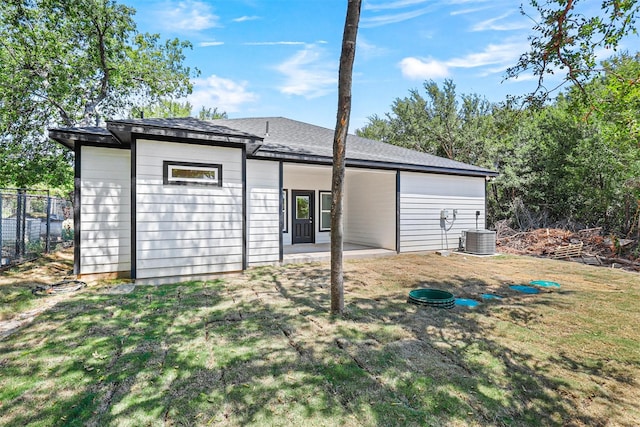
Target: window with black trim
x,y
325,210
285,220
188,173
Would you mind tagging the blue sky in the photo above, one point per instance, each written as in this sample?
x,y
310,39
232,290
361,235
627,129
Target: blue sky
x,y
280,57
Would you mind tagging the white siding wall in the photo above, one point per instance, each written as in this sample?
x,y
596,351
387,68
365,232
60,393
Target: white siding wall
x,y
263,212
186,230
422,198
307,177
105,210
371,208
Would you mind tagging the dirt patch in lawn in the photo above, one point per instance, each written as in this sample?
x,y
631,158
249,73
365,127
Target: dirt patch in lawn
x,y
18,305
45,269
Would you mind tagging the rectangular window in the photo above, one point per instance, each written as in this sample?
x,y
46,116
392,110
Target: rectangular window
x,y
325,210
285,220
186,173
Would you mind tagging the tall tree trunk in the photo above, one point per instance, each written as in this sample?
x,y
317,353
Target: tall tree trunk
x,y
339,148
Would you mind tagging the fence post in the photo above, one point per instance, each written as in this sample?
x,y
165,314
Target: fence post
x,y
46,245
18,223
25,198
1,223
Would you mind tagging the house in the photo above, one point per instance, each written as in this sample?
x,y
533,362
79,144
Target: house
x,y
171,199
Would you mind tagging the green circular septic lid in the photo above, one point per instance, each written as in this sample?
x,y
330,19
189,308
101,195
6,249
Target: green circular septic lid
x,y
544,283
430,294
432,298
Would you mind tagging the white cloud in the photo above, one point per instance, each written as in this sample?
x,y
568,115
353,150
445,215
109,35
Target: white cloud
x,y
497,57
377,21
367,50
497,24
217,92
470,10
603,53
246,18
418,69
424,7
524,77
393,5
211,43
505,54
285,43
309,73
187,15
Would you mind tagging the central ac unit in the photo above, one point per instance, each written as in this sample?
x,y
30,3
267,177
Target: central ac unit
x,y
480,242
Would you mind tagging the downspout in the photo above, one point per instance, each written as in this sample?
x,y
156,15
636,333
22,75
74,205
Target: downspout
x,y
398,211
244,209
486,184
133,219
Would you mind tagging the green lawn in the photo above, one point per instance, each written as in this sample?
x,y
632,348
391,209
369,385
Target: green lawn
x,y
261,349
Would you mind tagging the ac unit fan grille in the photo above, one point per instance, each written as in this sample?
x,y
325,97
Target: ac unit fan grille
x,y
480,242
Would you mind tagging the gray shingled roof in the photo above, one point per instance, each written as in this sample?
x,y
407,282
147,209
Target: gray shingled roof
x,y
119,132
183,128
291,139
286,140
184,124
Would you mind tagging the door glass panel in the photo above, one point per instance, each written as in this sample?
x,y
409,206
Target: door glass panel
x,y
302,207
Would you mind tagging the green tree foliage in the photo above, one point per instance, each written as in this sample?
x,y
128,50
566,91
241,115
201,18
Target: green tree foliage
x,y
582,158
568,35
617,91
439,123
163,108
615,156
510,150
172,109
578,173
69,63
211,114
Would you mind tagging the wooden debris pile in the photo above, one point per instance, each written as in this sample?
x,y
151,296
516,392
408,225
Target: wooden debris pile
x,y
597,249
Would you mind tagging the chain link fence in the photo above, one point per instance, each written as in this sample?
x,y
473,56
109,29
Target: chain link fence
x,y
33,223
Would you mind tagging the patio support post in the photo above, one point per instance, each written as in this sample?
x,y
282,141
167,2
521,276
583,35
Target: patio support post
x,y
398,211
282,218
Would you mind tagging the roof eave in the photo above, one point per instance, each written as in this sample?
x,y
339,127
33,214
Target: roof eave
x,y
69,137
408,167
123,131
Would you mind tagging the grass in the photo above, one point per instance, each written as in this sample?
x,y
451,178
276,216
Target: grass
x,y
261,349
